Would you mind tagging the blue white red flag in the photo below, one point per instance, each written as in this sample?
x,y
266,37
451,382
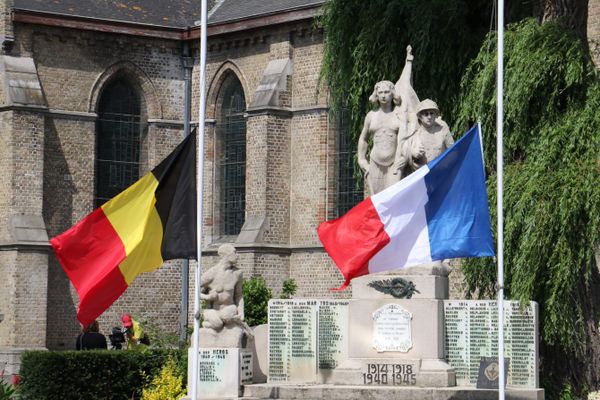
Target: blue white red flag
x,y
438,212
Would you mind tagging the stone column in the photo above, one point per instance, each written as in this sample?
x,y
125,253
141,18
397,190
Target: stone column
x,y
23,237
6,28
267,155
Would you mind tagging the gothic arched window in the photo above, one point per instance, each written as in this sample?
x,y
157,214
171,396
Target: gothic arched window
x,y
231,157
118,140
349,193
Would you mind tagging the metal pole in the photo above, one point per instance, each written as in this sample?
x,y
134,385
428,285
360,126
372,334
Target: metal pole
x,y
185,268
500,196
200,186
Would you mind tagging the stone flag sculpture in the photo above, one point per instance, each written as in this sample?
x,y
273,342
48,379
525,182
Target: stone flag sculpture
x,y
440,211
151,221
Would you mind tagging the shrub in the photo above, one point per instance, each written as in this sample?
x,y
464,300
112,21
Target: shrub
x,y
289,288
91,375
168,384
256,300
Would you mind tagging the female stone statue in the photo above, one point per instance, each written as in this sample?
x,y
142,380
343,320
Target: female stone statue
x,y
388,125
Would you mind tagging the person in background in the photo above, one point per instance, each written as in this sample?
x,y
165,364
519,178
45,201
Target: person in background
x,y
90,338
134,332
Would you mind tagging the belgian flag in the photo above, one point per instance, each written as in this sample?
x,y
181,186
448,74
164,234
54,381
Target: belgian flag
x,y
151,221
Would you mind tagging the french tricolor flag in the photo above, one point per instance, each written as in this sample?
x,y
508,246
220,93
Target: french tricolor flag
x,y
440,211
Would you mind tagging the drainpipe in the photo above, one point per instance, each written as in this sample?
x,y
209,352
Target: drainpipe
x,y
188,63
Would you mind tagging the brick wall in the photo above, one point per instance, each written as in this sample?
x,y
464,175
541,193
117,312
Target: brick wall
x,y
6,162
291,167
309,181
23,298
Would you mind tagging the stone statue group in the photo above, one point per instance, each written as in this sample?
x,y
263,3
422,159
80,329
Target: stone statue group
x,y
407,133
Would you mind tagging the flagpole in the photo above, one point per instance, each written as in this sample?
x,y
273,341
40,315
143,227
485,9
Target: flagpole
x,y
500,196
199,186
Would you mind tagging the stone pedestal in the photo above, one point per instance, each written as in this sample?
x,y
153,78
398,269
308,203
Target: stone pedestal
x,y
222,372
398,342
229,336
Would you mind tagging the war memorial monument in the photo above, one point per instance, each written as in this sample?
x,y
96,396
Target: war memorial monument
x,y
398,336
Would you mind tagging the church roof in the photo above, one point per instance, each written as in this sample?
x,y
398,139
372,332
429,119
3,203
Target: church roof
x,y
165,13
234,10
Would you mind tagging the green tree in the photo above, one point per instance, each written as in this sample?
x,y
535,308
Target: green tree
x,y
552,143
551,191
365,42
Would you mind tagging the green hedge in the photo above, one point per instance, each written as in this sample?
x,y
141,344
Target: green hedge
x,y
92,374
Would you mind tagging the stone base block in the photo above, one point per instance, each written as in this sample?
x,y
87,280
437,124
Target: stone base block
x,y
229,336
427,327
344,392
10,360
385,372
221,373
430,280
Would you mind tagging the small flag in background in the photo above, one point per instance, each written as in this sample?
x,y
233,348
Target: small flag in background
x,y
151,221
440,211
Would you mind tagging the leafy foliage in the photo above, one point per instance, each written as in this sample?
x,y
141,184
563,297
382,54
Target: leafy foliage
x,y
7,391
551,190
552,201
256,300
552,146
168,384
90,374
546,71
158,336
366,41
289,288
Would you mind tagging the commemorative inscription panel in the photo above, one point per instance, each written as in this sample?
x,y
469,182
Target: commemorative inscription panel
x,y
332,333
392,329
219,372
292,340
390,374
472,333
279,341
303,329
306,336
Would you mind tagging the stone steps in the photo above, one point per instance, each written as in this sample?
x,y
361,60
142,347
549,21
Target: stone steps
x,y
348,392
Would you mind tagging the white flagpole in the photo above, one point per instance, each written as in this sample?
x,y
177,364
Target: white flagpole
x,y
199,188
500,196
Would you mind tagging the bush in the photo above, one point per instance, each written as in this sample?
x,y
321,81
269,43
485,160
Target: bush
x,y
256,300
91,375
168,384
289,288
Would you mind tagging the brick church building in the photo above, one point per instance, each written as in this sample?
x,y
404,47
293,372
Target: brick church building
x,y
93,95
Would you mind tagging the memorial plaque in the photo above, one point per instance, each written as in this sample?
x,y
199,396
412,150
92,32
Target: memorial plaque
x,y
279,341
489,372
246,372
332,338
219,373
303,355
292,340
472,334
306,336
521,344
392,329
